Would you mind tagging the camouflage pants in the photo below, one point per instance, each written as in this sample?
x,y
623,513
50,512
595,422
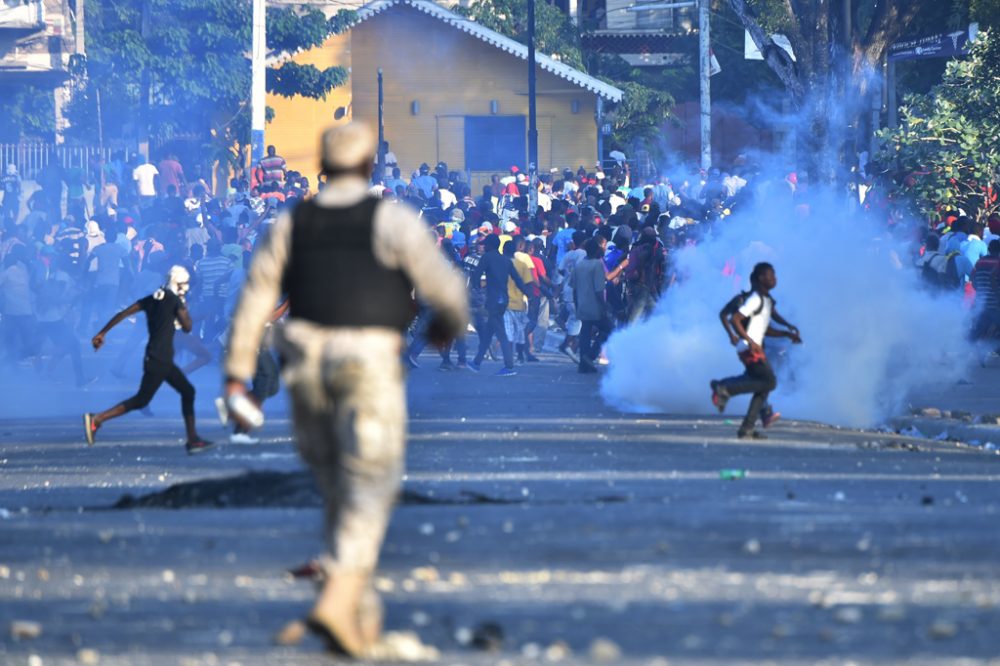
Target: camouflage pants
x,y
349,407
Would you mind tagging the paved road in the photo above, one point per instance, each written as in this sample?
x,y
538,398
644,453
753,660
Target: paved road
x,y
556,519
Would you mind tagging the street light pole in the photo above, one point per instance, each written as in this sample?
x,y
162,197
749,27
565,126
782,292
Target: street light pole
x,y
705,73
380,174
704,66
258,68
532,122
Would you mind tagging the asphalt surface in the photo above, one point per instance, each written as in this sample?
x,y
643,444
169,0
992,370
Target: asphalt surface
x,y
550,528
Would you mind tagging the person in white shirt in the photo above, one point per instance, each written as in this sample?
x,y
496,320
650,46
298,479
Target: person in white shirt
x,y
145,176
752,322
448,198
544,200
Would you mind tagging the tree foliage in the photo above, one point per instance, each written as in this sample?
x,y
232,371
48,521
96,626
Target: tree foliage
x,y
946,151
26,113
163,68
833,78
637,121
555,34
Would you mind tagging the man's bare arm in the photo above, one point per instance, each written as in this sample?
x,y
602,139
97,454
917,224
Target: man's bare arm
x,y
98,340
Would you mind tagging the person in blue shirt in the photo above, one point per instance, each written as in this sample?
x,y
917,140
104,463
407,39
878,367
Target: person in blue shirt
x,y
395,182
425,182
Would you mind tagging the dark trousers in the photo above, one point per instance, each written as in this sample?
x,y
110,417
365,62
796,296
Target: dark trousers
x,y
758,379
987,325
266,380
154,373
641,302
534,307
460,346
494,326
593,333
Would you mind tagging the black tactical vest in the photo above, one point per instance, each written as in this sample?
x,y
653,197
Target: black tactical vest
x,y
333,278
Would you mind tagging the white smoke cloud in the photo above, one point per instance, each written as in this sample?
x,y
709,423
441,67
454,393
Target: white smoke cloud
x,y
871,334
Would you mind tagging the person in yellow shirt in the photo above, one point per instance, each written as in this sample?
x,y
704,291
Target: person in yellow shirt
x,y
515,319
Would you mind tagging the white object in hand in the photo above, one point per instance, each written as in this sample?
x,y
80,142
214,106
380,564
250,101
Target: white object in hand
x,y
240,407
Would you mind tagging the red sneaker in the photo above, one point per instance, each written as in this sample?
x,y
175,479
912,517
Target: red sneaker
x,y
198,446
719,396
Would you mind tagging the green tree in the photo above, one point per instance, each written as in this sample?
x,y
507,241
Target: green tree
x,y
637,121
27,112
167,68
555,34
839,46
946,151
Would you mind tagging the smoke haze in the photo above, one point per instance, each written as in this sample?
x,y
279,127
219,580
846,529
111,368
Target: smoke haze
x,y
871,333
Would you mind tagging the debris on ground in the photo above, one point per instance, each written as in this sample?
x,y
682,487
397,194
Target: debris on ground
x,y
25,630
848,615
942,629
403,646
605,651
488,637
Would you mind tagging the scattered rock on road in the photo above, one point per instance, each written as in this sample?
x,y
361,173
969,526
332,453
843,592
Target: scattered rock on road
x,y
291,634
88,656
605,651
403,646
848,615
25,630
487,636
942,629
557,652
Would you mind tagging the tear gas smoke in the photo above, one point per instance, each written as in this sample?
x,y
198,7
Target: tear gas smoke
x,y
871,332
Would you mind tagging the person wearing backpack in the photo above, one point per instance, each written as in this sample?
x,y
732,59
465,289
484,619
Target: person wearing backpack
x,y
938,269
767,414
752,323
645,275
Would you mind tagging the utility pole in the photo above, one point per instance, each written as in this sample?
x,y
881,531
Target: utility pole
x,y
380,173
704,66
705,72
144,85
532,124
599,117
258,97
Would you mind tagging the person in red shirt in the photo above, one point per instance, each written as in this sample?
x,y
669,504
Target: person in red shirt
x,y
273,166
538,301
985,280
171,173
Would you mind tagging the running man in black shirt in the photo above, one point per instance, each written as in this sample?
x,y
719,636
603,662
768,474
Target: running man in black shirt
x,y
165,311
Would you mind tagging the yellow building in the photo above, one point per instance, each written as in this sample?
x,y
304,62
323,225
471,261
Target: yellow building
x,y
454,91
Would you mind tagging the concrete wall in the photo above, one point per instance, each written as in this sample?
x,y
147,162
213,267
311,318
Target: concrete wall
x,y
451,75
298,121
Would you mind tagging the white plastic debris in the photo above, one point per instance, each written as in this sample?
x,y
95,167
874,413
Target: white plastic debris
x,y
25,630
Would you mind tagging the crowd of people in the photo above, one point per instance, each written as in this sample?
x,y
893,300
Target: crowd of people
x,y
580,253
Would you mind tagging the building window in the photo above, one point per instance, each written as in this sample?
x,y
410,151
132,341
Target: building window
x,y
494,143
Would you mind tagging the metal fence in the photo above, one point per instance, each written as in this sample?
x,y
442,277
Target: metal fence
x,y
31,158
